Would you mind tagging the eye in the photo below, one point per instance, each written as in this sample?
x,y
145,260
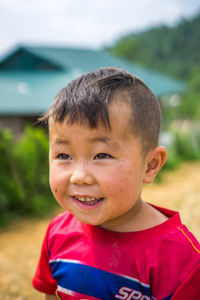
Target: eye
x,y
102,156
64,156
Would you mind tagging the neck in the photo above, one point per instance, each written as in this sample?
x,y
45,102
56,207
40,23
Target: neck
x,y
142,216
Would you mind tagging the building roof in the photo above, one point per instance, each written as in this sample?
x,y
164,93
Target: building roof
x,y
30,77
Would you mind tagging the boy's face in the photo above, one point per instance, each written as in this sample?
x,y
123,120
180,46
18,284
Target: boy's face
x,y
97,174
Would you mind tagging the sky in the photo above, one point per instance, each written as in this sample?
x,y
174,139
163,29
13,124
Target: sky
x,y
84,23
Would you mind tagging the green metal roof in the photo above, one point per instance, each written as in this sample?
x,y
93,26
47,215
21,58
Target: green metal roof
x,y
28,88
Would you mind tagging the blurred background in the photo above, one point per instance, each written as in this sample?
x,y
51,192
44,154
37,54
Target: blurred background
x,y
45,44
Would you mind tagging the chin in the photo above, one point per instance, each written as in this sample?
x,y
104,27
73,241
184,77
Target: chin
x,y
93,222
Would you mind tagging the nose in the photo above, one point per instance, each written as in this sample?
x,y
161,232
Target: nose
x,y
81,176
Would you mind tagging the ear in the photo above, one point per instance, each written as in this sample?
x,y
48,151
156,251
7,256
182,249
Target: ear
x,y
155,160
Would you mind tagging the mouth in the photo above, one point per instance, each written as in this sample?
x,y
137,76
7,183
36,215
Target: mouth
x,y
87,201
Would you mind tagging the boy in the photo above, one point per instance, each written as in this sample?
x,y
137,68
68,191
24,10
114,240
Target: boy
x,y
109,244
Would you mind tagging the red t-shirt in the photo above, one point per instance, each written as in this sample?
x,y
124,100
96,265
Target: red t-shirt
x,y
80,261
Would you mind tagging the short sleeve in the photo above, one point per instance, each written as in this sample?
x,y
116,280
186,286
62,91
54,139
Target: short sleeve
x,y
190,288
43,280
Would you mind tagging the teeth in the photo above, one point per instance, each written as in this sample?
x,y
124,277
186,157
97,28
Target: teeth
x,y
87,199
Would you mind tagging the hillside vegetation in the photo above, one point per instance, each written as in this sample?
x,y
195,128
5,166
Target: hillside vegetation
x,y
174,51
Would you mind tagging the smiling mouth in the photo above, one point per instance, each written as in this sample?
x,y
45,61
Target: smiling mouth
x,y
87,200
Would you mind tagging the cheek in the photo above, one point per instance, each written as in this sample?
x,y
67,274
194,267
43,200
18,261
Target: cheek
x,y
55,183
123,181
117,181
57,190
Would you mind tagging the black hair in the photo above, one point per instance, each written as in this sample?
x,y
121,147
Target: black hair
x,y
86,100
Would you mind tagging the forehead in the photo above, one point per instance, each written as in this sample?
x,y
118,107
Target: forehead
x,y
119,109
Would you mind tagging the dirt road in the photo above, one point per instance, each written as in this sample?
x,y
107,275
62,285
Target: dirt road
x,y
20,243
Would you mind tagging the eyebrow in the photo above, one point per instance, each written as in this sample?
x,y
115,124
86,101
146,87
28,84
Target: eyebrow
x,y
61,142
104,140
100,139
93,140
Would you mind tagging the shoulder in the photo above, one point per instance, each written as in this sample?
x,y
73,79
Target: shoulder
x,y
173,253
173,232
182,240
63,234
171,244
61,222
64,225
61,218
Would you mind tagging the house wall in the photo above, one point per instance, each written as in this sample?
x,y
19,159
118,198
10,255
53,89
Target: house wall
x,y
16,123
